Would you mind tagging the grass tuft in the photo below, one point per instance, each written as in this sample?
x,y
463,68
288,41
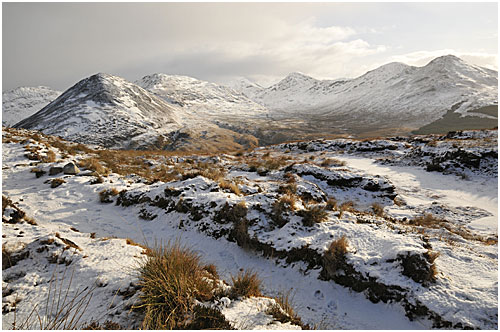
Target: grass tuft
x,y
314,215
172,279
245,284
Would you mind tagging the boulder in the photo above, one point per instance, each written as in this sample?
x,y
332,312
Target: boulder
x,y
55,170
71,169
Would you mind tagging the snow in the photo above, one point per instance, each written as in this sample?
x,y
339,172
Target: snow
x,y
465,291
418,95
22,102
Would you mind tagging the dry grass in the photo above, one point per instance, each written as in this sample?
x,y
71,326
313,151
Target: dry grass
x,y
314,215
281,207
245,284
288,189
231,186
50,157
54,183
334,257
332,162
346,206
171,279
94,165
378,209
106,194
283,311
427,220
331,204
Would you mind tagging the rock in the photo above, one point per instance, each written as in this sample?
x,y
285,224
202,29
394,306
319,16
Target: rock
x,y
55,170
71,169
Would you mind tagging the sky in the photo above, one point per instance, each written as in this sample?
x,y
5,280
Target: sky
x,y
58,44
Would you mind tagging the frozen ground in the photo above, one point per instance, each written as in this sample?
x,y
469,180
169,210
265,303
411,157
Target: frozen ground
x,y
465,291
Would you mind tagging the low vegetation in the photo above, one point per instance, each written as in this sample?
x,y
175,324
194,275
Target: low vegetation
x,y
314,215
335,256
245,284
172,278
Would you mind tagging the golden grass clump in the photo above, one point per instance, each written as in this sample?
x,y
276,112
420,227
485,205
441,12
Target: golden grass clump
x,y
282,206
94,165
334,256
331,204
346,206
231,186
171,279
106,194
245,284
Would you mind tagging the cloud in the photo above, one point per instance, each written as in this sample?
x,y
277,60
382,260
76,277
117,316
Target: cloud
x,y
323,52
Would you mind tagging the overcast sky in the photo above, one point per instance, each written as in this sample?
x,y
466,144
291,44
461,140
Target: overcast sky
x,y
57,44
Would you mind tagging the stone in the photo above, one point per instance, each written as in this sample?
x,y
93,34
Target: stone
x,y
55,170
71,169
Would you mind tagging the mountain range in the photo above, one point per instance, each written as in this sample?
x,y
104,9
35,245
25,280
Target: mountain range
x,y
179,112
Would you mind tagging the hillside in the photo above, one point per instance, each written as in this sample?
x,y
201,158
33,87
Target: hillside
x,y
394,97
108,111
20,103
396,233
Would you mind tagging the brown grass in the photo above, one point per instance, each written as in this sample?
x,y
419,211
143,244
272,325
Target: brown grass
x,y
334,257
245,284
94,165
105,195
171,279
331,204
283,205
346,206
283,311
378,209
314,215
54,183
50,157
332,162
231,186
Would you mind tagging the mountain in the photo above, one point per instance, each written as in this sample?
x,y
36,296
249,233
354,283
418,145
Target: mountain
x,y
111,112
105,110
22,102
215,103
392,96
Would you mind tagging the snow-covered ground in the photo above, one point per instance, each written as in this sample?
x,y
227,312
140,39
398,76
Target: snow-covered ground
x,y
465,291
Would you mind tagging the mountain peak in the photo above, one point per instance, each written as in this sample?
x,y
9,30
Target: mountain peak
x,y
297,76
447,59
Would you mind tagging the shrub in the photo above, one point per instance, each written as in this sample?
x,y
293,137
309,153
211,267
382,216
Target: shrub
x,y
314,215
334,257
207,318
54,183
245,284
104,195
378,209
172,279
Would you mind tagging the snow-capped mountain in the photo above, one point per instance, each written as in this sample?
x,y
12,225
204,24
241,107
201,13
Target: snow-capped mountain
x,y
202,98
109,111
106,110
20,103
393,95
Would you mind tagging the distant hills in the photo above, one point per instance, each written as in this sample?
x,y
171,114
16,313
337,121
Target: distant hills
x,y
174,112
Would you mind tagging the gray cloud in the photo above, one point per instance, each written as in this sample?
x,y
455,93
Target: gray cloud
x,y
57,44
